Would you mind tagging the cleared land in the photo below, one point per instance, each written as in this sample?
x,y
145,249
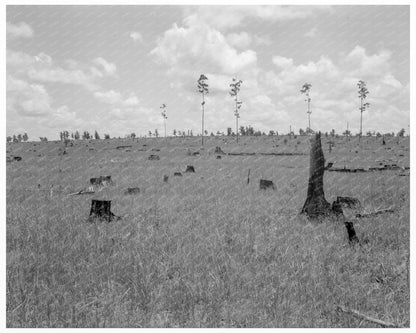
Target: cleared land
x,y
205,249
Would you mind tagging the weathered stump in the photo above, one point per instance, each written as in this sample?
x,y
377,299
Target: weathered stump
x,y
349,202
101,209
316,204
265,184
329,165
219,151
102,180
352,236
190,168
132,190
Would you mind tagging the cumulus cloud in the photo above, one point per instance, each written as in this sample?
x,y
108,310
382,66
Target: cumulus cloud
x,y
20,30
240,40
116,98
30,100
311,33
199,45
227,17
42,68
136,36
334,86
109,67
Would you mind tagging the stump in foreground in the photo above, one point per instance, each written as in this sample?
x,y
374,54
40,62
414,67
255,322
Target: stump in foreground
x,y
101,209
316,204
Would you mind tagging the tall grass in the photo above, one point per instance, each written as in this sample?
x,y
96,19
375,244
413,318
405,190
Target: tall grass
x,y
205,250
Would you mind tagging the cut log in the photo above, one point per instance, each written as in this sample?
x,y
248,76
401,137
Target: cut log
x,y
316,204
378,212
154,158
177,174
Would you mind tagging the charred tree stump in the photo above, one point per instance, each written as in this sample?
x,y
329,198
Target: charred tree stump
x,y
316,204
132,190
190,168
352,236
265,184
101,209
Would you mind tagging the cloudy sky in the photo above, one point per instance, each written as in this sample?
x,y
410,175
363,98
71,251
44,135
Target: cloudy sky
x,y
109,68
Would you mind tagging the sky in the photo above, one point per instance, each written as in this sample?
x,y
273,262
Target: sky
x,y
110,68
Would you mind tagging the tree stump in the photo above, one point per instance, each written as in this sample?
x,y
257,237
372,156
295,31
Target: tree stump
x,y
265,184
219,151
101,209
165,178
349,202
190,168
132,190
102,181
352,236
316,204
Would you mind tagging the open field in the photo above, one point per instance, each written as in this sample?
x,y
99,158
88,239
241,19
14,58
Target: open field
x,y
206,249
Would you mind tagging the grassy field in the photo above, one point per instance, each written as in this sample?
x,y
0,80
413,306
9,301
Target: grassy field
x,y
206,249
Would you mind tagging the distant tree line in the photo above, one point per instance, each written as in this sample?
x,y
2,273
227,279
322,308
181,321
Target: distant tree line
x,y
243,131
17,138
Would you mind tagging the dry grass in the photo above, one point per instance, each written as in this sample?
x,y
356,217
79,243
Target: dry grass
x,y
204,250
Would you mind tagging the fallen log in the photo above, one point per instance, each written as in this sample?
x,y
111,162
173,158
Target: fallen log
x,y
367,318
378,212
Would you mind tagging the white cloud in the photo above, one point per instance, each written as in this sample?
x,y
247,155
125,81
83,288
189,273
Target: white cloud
x,y
109,97
30,100
132,100
60,75
334,87
367,65
240,40
116,98
136,36
282,62
226,17
109,67
311,33
21,30
43,69
201,46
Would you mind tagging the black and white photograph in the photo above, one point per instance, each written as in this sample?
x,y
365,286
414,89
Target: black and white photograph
x,y
236,165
